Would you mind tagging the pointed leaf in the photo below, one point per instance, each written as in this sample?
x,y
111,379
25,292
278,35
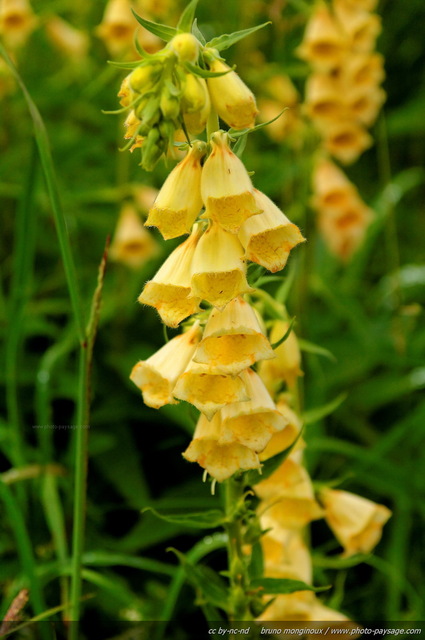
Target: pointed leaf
x,y
221,43
186,18
239,146
283,585
198,519
205,73
316,414
197,33
142,53
310,347
161,30
124,65
237,133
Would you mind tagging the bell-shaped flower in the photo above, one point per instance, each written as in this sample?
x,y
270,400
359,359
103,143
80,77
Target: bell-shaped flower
x,y
254,422
363,70
220,460
332,189
218,269
323,99
179,200
226,186
117,27
207,391
360,27
346,140
286,556
157,376
285,438
231,98
233,339
169,291
70,41
196,104
324,43
344,229
132,244
17,22
286,366
364,104
287,498
356,522
269,237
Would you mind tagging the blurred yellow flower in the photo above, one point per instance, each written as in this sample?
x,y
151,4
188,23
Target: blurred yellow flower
x,y
331,187
356,522
344,229
179,200
346,140
269,237
324,43
323,98
286,556
67,39
117,27
282,440
17,22
233,339
196,104
157,376
169,291
286,366
360,27
226,186
220,460
231,98
132,244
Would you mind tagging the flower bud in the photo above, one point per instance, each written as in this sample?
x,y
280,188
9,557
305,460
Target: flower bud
x,y
226,186
269,237
169,291
179,200
195,94
170,106
143,78
157,375
186,47
218,271
231,98
233,339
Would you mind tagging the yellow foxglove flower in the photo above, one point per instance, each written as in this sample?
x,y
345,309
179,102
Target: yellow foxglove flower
x,y
324,43
132,124
287,364
323,98
17,22
220,460
332,188
144,196
233,339
286,556
362,5
157,376
226,186
344,229
186,47
169,291
282,440
117,27
231,98
269,237
179,200
356,522
295,606
196,104
132,244
219,272
209,392
346,140
361,27
69,40
287,498
364,104
321,613
362,70
254,422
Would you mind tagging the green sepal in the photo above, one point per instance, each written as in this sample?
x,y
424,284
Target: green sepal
x,y
186,19
207,581
142,53
237,133
124,65
205,73
316,414
197,519
310,347
277,586
221,43
277,344
271,465
256,565
197,33
239,146
163,31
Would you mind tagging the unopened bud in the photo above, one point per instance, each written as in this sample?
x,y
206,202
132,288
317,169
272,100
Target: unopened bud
x,y
194,94
231,98
143,78
170,106
186,47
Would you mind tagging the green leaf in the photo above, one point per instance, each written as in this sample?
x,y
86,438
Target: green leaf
x,y
142,53
316,414
310,347
161,30
187,17
197,519
239,146
205,73
197,33
237,133
221,43
124,65
277,344
207,581
283,585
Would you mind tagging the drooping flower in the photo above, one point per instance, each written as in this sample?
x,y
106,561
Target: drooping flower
x,y
346,140
156,377
179,200
220,460
323,44
287,363
132,244
196,104
269,237
331,187
356,522
324,100
226,187
285,438
169,291
231,98
218,269
360,27
66,38
117,27
233,339
17,22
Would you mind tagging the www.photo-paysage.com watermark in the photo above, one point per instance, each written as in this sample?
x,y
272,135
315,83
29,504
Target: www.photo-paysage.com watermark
x,y
60,426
